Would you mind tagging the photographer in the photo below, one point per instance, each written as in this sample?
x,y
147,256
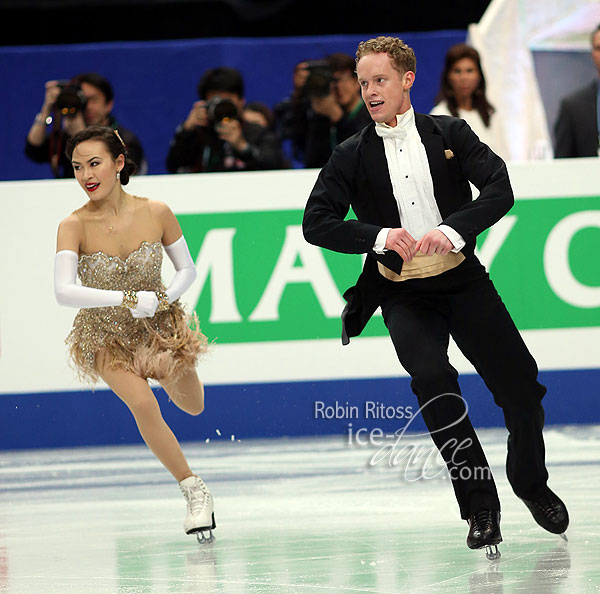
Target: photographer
x,y
291,115
214,137
70,106
337,110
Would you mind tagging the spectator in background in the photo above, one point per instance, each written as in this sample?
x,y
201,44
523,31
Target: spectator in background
x,y
576,129
337,109
259,113
462,95
86,100
291,116
215,137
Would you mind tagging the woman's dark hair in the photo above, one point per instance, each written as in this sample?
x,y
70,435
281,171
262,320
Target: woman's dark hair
x,y
480,103
113,143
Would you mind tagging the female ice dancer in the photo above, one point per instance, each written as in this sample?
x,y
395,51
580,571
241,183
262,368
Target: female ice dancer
x,y
130,327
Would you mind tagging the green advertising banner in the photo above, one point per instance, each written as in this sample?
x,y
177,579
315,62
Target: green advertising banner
x,y
260,281
271,303
546,267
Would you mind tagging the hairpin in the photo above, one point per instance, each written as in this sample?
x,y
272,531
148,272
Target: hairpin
x,y
120,139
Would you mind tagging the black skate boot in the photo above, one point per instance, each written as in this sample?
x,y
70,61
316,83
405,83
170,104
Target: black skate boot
x,y
549,512
484,531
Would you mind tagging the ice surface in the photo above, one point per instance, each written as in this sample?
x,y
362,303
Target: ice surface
x,y
293,516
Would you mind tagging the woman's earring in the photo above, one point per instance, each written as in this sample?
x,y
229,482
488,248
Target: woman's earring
x,y
118,175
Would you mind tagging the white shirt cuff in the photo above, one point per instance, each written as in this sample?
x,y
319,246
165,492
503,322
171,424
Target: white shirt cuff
x,y
379,246
455,238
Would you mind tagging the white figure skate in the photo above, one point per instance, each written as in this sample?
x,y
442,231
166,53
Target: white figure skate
x,y
200,519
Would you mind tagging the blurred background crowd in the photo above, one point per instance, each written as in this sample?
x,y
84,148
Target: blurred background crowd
x,y
212,103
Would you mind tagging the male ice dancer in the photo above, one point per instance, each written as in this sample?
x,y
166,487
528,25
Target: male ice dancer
x,y
406,177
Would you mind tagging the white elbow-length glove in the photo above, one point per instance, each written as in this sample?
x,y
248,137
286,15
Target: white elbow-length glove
x,y
71,294
185,269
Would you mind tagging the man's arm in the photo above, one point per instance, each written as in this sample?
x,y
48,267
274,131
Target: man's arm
x,y
185,151
563,132
328,205
260,149
37,133
38,154
317,148
488,173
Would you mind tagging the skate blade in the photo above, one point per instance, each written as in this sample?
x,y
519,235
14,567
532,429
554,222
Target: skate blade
x,y
200,532
492,553
564,537
203,539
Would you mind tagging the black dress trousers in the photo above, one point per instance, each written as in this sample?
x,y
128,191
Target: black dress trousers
x,y
421,315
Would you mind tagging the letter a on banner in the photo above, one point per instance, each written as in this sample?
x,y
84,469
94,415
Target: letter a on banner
x,y
314,270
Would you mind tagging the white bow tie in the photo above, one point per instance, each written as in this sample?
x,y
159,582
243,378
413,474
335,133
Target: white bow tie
x,y
397,132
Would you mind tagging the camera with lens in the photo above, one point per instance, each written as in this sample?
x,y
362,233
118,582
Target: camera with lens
x,y
71,99
319,80
219,109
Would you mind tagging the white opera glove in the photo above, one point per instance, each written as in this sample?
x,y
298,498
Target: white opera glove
x,y
71,294
185,268
147,303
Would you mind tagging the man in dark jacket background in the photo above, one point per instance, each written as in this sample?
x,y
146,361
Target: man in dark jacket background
x,y
214,137
576,129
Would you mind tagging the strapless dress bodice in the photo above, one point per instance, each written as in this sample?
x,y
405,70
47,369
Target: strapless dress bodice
x,y
140,270
160,347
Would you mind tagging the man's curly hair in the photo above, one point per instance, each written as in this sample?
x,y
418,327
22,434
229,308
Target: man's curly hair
x,y
402,56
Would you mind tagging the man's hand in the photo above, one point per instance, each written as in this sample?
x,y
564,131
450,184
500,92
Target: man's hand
x,y
74,124
402,242
230,130
52,91
37,132
328,106
197,116
434,242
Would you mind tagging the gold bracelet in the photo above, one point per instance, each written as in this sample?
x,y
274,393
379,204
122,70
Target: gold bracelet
x,y
163,301
130,299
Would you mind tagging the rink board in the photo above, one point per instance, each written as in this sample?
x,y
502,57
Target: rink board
x,y
271,304
367,410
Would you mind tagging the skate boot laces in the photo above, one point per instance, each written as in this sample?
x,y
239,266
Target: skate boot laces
x,y
482,520
549,507
197,496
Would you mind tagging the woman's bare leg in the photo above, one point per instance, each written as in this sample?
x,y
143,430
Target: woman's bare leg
x,y
135,392
187,393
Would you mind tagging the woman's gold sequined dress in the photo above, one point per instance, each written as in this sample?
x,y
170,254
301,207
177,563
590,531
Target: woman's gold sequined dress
x,y
161,347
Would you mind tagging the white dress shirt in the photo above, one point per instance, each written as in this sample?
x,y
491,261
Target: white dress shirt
x,y
411,182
